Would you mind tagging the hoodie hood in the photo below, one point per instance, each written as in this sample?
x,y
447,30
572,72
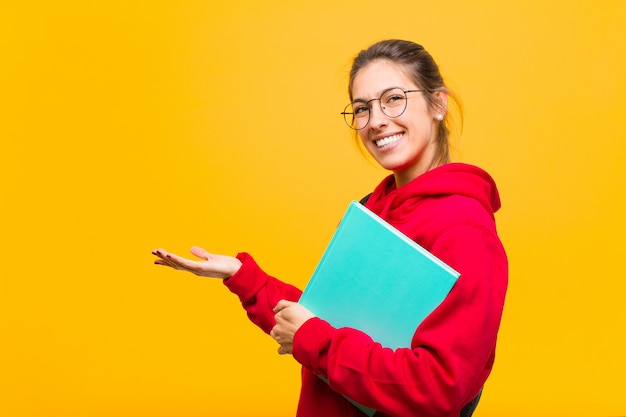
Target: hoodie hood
x,y
454,179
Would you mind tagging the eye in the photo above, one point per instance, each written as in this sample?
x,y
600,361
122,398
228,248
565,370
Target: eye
x,y
360,109
394,99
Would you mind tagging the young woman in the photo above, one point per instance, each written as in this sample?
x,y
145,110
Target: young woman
x,y
399,109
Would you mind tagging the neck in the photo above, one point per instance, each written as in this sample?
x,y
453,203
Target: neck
x,y
403,177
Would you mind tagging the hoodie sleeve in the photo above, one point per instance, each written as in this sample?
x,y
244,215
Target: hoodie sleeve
x,y
258,292
452,351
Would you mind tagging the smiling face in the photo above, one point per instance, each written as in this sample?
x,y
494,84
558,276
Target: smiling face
x,y
405,145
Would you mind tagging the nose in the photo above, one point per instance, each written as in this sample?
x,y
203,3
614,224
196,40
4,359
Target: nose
x,y
378,119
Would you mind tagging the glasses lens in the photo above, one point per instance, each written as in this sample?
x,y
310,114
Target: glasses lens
x,y
356,115
393,102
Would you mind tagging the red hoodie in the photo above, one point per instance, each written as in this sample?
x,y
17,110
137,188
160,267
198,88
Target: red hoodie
x,y
450,212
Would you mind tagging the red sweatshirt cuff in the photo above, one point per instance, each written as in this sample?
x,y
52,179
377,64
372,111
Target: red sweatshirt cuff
x,y
250,278
310,345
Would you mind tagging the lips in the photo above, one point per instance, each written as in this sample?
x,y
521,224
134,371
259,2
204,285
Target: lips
x,y
388,140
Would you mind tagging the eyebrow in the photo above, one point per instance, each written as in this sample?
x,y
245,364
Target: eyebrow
x,y
362,100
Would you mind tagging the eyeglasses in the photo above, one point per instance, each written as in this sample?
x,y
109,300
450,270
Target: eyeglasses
x,y
392,101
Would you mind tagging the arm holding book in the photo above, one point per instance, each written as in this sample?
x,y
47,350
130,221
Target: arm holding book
x,y
452,350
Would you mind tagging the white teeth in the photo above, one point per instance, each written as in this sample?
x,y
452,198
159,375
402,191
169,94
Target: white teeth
x,y
386,141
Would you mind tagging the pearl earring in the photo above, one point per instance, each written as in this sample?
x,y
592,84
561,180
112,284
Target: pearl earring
x,y
440,117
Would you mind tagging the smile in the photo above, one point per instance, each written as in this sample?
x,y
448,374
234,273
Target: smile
x,y
388,140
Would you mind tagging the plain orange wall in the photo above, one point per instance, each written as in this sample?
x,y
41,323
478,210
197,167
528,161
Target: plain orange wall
x,y
131,125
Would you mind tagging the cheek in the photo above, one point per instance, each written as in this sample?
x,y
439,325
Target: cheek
x,y
363,136
365,143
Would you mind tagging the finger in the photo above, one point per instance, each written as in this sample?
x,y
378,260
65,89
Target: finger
x,y
282,304
176,262
163,258
161,262
180,261
283,350
165,262
161,253
200,253
169,258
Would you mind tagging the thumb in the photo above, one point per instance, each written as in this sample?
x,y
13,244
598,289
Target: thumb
x,y
200,253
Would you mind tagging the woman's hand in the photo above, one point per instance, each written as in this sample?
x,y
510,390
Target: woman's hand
x,y
289,317
210,265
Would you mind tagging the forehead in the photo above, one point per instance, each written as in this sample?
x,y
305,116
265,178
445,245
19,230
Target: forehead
x,y
378,76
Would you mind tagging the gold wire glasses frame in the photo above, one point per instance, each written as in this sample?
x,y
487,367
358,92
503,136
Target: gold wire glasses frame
x,y
392,101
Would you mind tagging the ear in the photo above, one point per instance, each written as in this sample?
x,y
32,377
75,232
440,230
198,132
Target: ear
x,y
440,105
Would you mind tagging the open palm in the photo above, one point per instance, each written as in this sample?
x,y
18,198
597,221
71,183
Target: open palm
x,y
210,264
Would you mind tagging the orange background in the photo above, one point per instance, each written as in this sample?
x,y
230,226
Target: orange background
x,y
127,126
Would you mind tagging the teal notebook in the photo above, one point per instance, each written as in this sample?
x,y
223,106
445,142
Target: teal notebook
x,y
373,278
